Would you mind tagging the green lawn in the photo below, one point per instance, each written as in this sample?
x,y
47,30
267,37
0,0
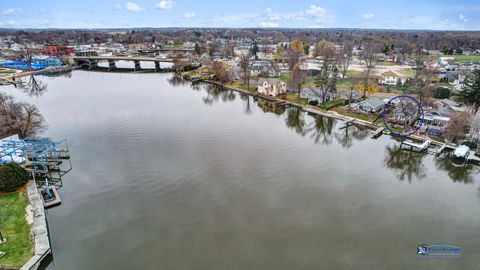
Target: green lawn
x,y
284,77
344,84
407,73
383,63
331,104
240,85
14,227
468,58
295,98
354,74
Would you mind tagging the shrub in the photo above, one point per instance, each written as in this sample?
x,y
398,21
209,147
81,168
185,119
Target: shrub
x,y
313,102
441,93
12,177
471,145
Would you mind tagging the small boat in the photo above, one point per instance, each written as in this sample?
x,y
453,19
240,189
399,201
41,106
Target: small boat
x,y
2,254
50,196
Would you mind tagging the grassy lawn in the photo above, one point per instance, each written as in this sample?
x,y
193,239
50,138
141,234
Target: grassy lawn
x,y
14,227
344,84
240,85
361,116
354,74
295,98
284,77
383,63
407,73
331,104
468,58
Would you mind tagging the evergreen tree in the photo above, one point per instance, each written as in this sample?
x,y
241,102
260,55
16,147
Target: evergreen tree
x,y
471,90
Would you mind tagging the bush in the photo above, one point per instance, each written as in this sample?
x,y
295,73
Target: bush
x,y
441,93
313,102
471,145
12,177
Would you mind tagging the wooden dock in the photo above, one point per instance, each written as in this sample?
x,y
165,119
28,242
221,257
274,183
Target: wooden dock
x,y
377,133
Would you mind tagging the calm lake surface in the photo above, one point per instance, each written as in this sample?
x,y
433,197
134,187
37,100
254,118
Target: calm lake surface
x,y
167,175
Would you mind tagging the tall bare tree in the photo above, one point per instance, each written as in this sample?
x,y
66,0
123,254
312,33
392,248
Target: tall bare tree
x,y
297,78
246,68
344,58
369,61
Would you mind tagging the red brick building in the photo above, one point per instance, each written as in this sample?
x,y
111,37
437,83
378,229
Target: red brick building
x,y
57,50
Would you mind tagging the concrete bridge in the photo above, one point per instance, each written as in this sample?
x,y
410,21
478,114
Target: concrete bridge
x,y
92,61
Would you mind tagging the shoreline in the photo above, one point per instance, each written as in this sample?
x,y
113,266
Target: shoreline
x,y
54,70
39,228
306,108
317,111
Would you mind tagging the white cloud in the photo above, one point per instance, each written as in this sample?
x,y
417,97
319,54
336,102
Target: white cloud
x,y
189,15
12,11
133,7
165,4
118,6
368,17
9,23
317,13
463,18
268,24
42,10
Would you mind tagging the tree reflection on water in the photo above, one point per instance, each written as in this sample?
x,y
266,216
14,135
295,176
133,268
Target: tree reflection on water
x,y
33,87
346,135
408,164
295,120
321,129
216,93
457,173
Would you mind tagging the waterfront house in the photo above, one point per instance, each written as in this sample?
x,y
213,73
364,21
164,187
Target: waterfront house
x,y
271,87
391,78
371,105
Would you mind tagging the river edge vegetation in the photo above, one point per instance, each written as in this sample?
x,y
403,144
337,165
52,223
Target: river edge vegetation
x,y
15,228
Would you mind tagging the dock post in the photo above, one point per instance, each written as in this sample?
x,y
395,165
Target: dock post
x,y
111,65
157,66
137,66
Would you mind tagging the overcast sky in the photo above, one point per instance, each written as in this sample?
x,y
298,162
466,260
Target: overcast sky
x,y
399,14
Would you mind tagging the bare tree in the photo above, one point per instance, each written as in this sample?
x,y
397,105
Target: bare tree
x,y
246,68
326,80
26,55
297,78
369,62
456,126
31,121
344,58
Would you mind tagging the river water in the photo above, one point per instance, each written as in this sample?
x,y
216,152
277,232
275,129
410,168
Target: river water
x,y
167,175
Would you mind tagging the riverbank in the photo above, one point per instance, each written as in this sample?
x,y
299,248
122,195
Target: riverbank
x,y
308,108
318,111
53,70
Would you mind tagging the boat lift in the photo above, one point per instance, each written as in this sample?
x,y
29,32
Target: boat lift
x,y
43,158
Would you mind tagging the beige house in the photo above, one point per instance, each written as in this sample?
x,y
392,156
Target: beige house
x,y
271,87
391,78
